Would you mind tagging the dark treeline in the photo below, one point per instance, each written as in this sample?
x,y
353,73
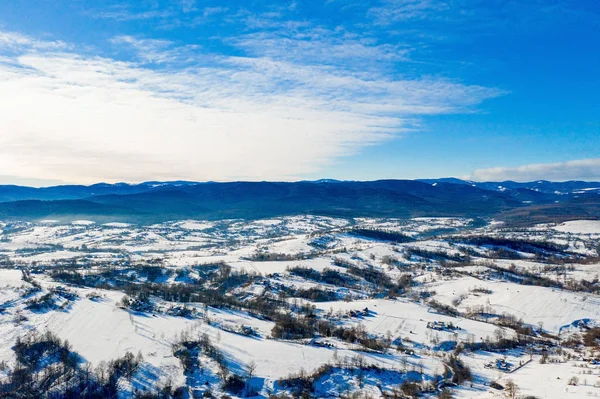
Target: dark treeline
x,y
515,244
279,257
526,277
436,255
327,276
381,235
307,326
382,282
314,294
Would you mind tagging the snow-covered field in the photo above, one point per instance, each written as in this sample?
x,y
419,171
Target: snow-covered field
x,y
311,305
580,227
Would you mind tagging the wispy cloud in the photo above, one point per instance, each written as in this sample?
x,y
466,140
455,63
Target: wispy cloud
x,y
389,11
157,51
168,16
307,44
125,14
85,118
208,11
188,5
478,16
17,41
581,169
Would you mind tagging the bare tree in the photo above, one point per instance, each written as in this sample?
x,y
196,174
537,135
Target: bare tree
x,y
250,369
512,389
499,334
404,362
574,381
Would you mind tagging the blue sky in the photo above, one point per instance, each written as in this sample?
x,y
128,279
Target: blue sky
x,y
262,90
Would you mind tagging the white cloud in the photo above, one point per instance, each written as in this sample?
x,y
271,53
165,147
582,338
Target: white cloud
x,y
171,15
582,169
310,45
79,118
188,5
124,14
208,11
480,15
157,51
16,41
402,10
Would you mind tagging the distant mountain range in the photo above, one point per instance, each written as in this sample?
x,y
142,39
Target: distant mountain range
x,y
543,186
150,202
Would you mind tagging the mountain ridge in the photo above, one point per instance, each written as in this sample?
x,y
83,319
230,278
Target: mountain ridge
x,y
150,202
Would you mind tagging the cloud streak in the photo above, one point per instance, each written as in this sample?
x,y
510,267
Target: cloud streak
x,y
389,11
581,169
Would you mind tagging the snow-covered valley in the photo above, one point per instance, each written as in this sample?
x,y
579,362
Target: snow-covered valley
x,y
303,306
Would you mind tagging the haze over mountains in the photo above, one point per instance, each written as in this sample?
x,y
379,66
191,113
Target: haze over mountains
x,y
151,202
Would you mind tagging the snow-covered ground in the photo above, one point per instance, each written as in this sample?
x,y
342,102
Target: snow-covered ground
x,y
580,227
412,303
